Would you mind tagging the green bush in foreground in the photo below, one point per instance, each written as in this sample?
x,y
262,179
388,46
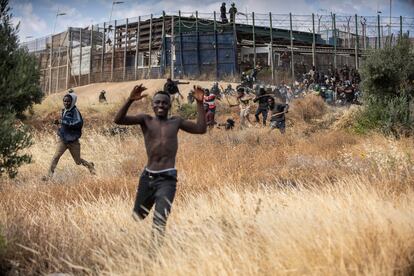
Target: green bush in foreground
x,y
14,137
388,85
20,89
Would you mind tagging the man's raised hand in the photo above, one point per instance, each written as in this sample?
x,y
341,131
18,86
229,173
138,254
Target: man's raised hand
x,y
136,93
198,94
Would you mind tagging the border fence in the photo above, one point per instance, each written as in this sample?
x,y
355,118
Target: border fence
x,y
202,45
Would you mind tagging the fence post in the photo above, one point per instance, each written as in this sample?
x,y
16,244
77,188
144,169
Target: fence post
x,y
291,50
364,39
172,47
164,51
68,57
334,37
80,56
215,44
90,57
113,53
348,31
254,41
379,32
103,52
58,68
150,49
137,39
50,64
271,48
198,44
125,49
356,43
401,29
181,45
235,45
313,40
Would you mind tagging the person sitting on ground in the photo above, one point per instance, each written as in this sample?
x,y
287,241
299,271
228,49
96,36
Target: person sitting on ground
x,y
228,125
278,111
102,98
232,12
157,184
171,87
262,98
70,131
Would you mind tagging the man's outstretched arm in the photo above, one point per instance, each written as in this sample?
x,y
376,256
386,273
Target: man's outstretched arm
x,y
200,126
121,117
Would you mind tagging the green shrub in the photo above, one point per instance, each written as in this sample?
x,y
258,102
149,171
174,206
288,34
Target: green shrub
x,y
388,86
188,111
390,115
19,90
19,82
14,137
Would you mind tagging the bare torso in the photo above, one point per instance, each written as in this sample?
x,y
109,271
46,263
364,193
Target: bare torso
x,y
160,132
161,141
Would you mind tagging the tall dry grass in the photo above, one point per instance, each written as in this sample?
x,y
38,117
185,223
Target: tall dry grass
x,y
249,202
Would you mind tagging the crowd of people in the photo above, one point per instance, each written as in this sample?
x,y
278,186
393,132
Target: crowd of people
x,y
340,86
335,87
157,184
246,96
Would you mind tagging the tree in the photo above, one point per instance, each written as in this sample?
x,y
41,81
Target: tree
x,y
19,90
14,137
388,86
389,72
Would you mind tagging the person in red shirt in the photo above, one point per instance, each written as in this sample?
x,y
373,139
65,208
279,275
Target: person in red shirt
x,y
210,107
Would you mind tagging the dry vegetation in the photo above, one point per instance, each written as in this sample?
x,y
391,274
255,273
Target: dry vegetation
x,y
317,201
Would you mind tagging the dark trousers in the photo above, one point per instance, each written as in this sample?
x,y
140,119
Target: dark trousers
x,y
262,111
158,189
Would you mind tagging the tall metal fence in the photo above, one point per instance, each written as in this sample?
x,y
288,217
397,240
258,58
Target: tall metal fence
x,y
154,46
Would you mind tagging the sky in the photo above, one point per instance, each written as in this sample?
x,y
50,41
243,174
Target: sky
x,y
38,17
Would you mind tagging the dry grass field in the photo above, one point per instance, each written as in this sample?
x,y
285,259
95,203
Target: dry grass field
x,y
318,201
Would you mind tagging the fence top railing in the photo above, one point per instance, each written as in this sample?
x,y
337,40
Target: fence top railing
x,y
371,27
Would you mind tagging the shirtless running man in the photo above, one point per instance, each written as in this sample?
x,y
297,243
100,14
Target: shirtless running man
x,y
157,184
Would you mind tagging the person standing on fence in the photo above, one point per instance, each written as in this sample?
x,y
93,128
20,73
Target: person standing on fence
x,y
70,131
157,184
232,12
223,12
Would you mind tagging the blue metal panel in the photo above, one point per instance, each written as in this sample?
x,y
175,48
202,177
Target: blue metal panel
x,y
226,54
